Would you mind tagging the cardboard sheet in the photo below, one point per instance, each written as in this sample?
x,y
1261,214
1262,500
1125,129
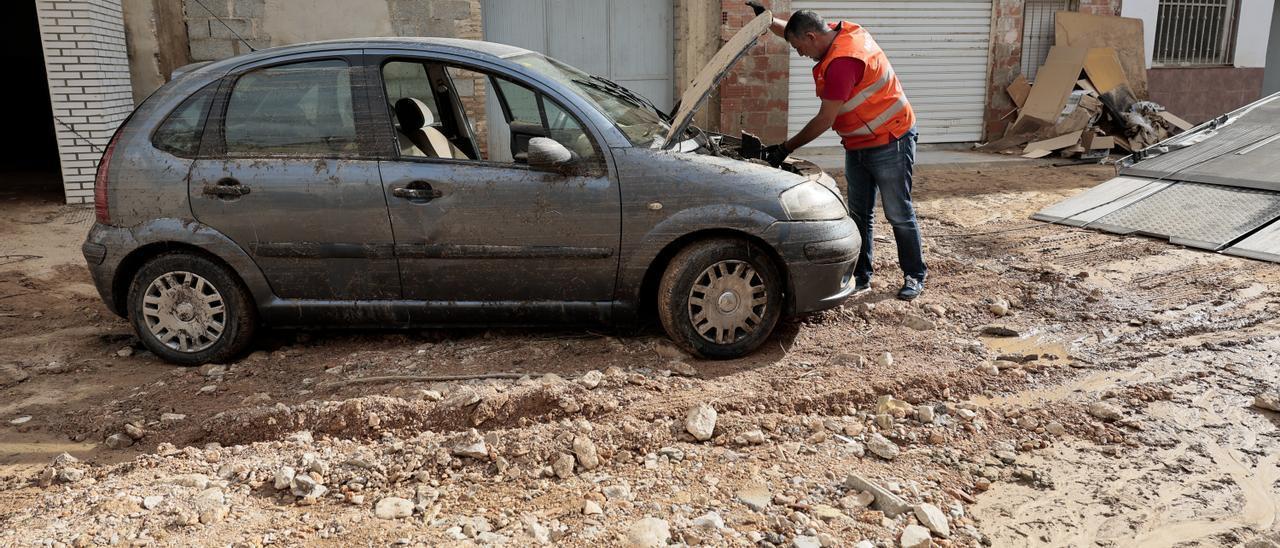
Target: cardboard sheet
x,y
1104,70
1019,90
1124,34
1084,84
1054,83
1057,143
1176,121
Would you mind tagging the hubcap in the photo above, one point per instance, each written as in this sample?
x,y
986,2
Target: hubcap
x,y
727,302
184,311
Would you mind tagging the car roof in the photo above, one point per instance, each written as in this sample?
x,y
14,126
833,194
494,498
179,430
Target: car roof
x,y
474,47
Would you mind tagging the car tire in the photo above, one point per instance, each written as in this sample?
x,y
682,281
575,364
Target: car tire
x,y
725,275
190,310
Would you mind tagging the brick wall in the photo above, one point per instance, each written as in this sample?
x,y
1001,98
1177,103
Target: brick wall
x,y
754,95
1198,94
89,88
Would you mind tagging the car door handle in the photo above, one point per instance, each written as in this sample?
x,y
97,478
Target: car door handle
x,y
226,188
418,191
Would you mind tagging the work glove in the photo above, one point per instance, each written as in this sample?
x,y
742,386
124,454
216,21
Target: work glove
x,y
776,154
756,7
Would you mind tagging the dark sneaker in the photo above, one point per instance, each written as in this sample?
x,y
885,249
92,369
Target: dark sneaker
x,y
861,286
911,288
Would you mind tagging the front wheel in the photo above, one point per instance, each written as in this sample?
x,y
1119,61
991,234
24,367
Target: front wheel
x,y
720,298
190,310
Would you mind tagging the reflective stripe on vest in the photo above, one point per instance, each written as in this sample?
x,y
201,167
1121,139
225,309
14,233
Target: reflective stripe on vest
x,y
862,96
875,124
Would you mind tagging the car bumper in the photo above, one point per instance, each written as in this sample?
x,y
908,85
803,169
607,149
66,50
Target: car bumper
x,y
819,257
104,248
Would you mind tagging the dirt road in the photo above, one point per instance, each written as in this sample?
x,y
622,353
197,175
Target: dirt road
x,y
1119,412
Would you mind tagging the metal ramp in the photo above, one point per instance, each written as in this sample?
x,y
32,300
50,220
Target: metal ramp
x,y
1216,187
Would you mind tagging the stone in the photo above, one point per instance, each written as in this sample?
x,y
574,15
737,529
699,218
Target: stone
x,y
284,477
151,502
989,368
700,421
915,536
825,512
999,308
591,379
806,541
211,506
932,517
303,485
924,413
540,533
882,447
194,481
432,395
168,419
753,437
884,421
682,369
935,309
864,544
212,370
648,533
885,360
591,508
134,431
119,440
70,475
999,331
711,521
585,451
470,445
562,466
463,396
892,505
756,497
1055,428
1268,400
1105,411
11,374
918,323
617,492
207,389
393,508
21,420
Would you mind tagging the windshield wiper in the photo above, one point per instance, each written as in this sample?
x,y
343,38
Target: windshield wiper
x,y
615,87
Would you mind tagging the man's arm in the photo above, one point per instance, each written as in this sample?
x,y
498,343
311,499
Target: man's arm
x,y
820,123
778,25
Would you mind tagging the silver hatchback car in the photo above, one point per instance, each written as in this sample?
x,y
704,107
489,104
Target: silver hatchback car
x,y
430,182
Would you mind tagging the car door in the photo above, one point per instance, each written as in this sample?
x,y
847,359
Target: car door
x,y
287,171
482,227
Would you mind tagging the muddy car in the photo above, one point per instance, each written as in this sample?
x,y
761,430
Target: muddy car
x,y
434,182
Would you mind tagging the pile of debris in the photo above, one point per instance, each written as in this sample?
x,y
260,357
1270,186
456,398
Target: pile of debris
x,y
1088,96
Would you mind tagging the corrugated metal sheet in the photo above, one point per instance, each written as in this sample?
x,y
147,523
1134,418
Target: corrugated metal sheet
x,y
939,50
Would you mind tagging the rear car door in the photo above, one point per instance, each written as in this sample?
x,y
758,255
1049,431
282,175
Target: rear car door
x,y
480,227
287,171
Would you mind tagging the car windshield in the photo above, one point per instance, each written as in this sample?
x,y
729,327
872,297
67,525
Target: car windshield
x,y
634,115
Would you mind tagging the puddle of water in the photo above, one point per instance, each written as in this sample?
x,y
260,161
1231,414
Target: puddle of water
x,y
1041,345
1093,382
25,454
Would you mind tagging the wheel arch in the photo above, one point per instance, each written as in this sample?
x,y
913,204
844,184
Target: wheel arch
x,y
136,259
647,296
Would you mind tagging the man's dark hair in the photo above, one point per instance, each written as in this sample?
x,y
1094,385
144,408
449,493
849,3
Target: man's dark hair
x,y
804,21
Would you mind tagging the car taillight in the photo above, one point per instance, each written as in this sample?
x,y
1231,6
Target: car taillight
x,y
100,182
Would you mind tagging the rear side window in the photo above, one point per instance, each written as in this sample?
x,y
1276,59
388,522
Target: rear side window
x,y
180,133
302,109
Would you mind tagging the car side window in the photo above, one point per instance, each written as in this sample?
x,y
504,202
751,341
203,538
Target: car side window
x,y
180,132
300,109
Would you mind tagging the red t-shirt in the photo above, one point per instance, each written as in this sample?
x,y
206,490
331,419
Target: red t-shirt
x,y
842,75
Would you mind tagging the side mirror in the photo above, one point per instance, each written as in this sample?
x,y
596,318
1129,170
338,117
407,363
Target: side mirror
x,y
546,153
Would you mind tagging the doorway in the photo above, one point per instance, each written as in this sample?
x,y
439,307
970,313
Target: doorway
x,y
29,161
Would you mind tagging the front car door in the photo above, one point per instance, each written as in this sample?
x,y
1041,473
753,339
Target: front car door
x,y
477,228
287,171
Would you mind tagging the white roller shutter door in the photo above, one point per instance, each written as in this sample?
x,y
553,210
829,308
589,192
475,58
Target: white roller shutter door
x,y
939,50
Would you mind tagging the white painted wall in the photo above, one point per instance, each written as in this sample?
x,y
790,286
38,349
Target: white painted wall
x,y
1251,37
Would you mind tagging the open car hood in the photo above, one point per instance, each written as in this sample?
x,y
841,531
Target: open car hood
x,y
695,95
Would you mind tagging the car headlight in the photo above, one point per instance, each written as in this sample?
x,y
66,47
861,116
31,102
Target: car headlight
x,y
810,201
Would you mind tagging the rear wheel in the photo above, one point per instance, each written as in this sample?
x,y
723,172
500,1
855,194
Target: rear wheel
x,y
720,298
190,310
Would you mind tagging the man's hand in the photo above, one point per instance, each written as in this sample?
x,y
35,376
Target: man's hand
x,y
756,7
776,154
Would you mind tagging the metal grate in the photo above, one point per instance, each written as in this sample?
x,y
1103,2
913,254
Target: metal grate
x,y
1037,32
1195,32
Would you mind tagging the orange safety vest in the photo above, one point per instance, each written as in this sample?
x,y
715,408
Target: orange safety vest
x,y
877,111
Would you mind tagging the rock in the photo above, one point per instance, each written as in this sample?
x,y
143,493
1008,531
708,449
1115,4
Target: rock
x,y
711,521
882,447
918,323
999,308
753,437
1268,400
470,445
540,533
885,360
886,403
989,368
21,420
431,395
211,506
999,331
591,379
862,500
825,513
284,477
195,481
924,413
591,508
700,421
11,374
256,398
1105,411
119,440
304,486
864,544
648,533
1055,428
168,419
935,309
866,308
70,475
682,369
463,396
562,466
393,508
884,421
617,492
301,437
134,431
585,451
151,502
915,536
207,389
805,541
756,497
212,370
892,505
932,517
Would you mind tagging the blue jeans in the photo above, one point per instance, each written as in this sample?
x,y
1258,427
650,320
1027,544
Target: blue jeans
x,y
886,169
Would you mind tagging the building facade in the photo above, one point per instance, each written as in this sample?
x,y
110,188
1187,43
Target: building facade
x,y
954,57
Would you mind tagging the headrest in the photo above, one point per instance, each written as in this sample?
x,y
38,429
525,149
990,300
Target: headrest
x,y
413,114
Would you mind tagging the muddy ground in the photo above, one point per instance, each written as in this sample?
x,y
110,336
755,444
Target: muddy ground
x,y
1115,410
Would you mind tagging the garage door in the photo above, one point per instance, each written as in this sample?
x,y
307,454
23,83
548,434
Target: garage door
x,y
939,50
627,41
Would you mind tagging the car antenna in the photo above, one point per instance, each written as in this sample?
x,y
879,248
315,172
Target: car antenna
x,y
229,29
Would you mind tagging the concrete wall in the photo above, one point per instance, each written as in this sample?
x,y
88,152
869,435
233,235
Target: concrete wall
x,y
87,65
